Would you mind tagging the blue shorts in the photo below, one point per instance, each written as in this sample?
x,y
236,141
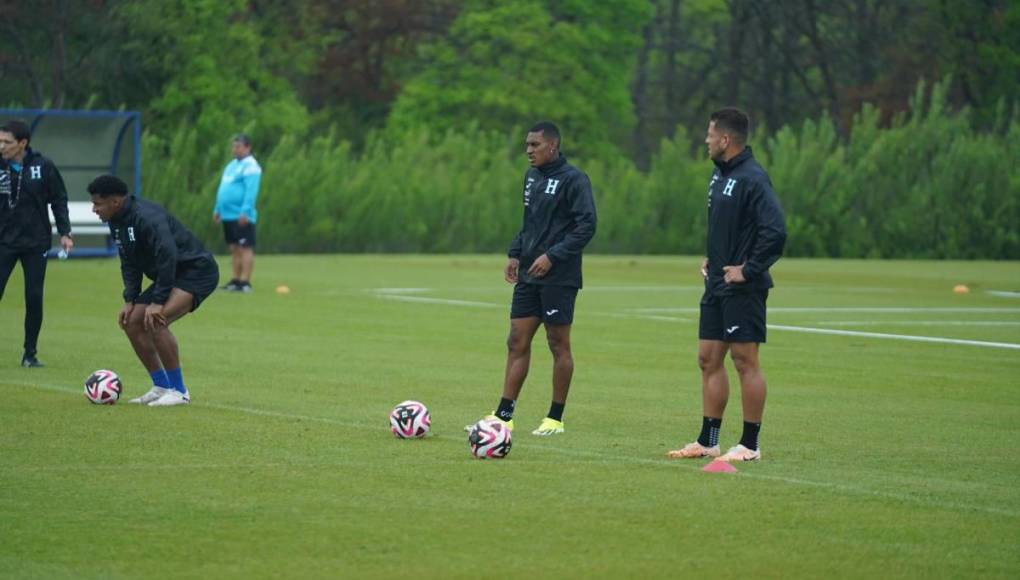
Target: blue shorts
x,y
553,304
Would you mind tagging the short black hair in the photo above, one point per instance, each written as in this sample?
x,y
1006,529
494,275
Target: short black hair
x,y
733,121
108,185
19,129
242,139
548,129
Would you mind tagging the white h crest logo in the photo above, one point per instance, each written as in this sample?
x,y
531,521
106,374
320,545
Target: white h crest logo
x,y
36,172
728,190
131,234
551,186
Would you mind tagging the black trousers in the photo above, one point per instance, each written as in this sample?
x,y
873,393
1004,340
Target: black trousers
x,y
33,264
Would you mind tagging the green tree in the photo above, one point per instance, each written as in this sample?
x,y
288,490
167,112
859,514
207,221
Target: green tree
x,y
506,64
209,56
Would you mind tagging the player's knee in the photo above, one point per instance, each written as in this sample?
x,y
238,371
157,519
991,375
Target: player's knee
x,y
516,345
745,363
559,347
708,362
134,327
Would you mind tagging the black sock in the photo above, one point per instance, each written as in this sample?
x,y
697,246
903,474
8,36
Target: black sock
x,y
709,431
505,411
750,437
556,411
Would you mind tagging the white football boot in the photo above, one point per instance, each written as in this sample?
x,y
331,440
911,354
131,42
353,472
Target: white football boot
x,y
741,453
153,394
172,398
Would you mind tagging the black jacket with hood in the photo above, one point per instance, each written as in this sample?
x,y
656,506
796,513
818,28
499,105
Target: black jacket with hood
x,y
559,221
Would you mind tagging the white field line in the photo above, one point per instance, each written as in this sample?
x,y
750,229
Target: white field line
x,y
448,302
870,310
920,322
880,335
907,337
615,458
1003,293
656,314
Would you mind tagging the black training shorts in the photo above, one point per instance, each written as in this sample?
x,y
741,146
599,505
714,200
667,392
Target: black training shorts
x,y
553,304
237,235
733,318
198,278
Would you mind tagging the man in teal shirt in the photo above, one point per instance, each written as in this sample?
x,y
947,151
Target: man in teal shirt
x,y
235,209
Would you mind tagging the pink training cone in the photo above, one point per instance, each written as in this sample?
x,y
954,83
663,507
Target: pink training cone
x,y
719,467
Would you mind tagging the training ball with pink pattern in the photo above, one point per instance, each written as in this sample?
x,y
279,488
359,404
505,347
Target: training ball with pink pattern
x,y
489,439
103,387
410,420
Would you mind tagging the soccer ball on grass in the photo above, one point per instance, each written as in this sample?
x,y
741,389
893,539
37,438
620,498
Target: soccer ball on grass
x,y
489,439
103,387
410,420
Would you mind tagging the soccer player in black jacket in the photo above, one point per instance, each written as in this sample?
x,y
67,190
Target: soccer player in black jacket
x,y
152,242
746,234
545,267
29,183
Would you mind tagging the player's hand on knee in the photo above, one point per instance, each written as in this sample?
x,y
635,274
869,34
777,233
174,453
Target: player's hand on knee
x,y
125,314
154,318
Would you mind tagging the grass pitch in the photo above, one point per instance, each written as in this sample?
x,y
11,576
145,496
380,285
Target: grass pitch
x,y
882,456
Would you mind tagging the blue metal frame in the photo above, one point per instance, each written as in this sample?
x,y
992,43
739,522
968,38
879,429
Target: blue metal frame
x,y
133,119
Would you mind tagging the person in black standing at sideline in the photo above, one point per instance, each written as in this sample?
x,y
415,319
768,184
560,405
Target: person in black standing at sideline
x,y
544,266
30,185
746,236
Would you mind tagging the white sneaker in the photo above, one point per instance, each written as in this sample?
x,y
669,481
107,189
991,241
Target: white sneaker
x,y
153,394
741,453
172,398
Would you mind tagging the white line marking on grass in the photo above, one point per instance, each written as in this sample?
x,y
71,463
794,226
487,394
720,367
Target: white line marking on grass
x,y
833,331
920,322
874,310
400,290
607,457
907,337
698,288
1004,293
445,301
401,295
664,318
651,314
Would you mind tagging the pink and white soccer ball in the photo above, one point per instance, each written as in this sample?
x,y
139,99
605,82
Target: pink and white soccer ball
x,y
103,387
410,420
489,439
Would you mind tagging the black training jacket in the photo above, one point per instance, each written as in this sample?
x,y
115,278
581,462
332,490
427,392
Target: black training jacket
x,y
745,225
24,197
559,221
154,243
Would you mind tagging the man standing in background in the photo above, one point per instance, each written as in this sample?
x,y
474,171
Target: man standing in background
x,y
235,209
29,183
